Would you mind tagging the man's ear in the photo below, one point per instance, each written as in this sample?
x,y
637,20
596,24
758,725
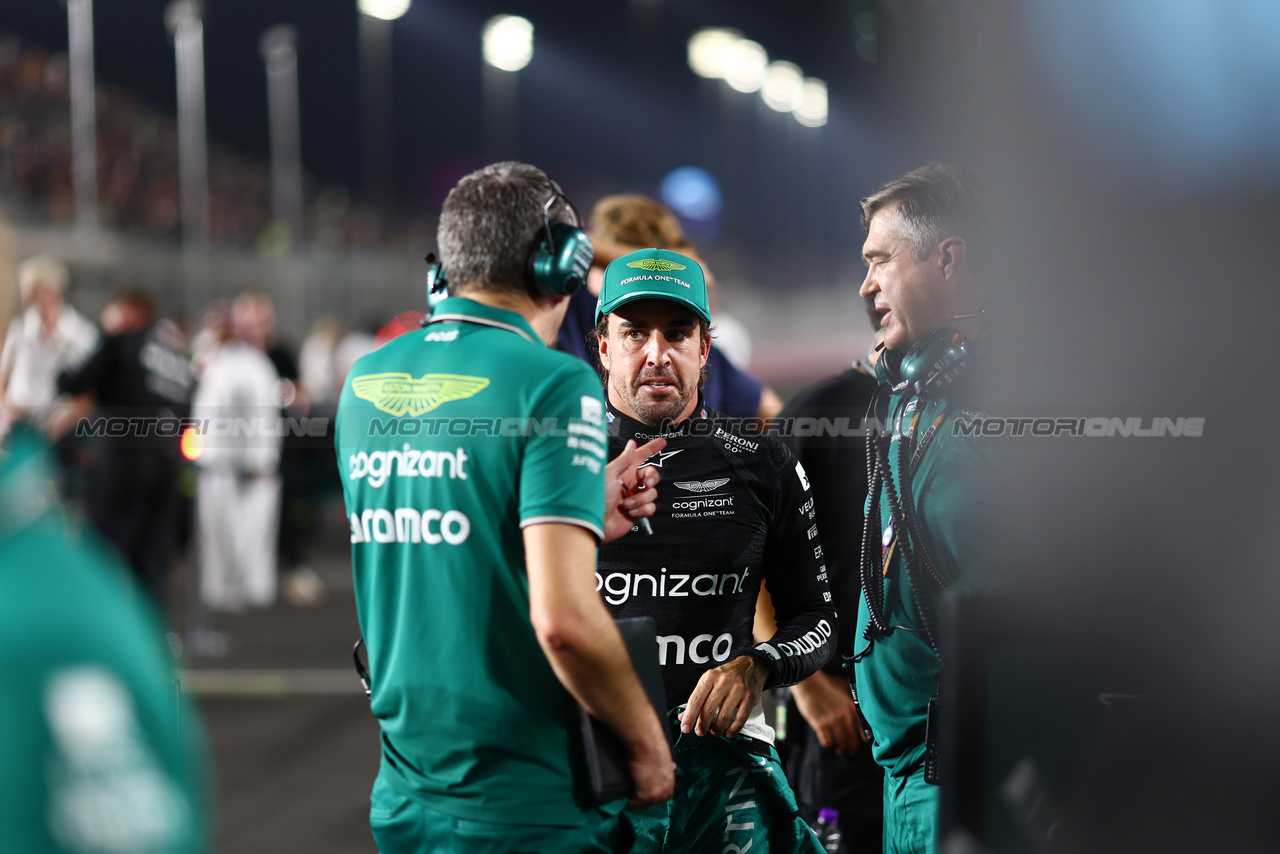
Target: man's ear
x,y
951,253
602,346
705,346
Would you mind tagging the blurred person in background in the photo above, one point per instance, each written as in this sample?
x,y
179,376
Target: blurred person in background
x,y
930,494
93,756
48,337
625,223
828,763
214,331
317,363
483,624
299,584
136,376
739,515
238,490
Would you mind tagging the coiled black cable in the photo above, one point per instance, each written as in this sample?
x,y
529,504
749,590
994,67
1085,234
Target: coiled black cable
x,y
912,545
872,586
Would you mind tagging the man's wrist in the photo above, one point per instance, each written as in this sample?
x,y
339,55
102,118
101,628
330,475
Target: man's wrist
x,y
765,662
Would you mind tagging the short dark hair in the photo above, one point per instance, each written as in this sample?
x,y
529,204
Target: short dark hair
x,y
488,223
934,202
139,300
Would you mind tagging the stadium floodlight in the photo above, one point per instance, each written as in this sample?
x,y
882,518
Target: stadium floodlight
x,y
278,46
783,86
812,111
84,139
386,10
182,17
745,66
711,49
508,42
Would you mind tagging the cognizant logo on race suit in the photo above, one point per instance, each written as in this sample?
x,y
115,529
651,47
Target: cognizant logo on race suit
x,y
618,587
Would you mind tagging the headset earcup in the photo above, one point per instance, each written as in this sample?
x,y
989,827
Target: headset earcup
x,y
558,263
935,363
886,365
536,264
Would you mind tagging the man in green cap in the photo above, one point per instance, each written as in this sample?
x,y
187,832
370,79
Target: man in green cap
x,y
929,497
93,755
473,459
739,511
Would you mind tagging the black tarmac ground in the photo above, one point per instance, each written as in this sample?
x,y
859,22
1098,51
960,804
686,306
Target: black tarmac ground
x,y
294,747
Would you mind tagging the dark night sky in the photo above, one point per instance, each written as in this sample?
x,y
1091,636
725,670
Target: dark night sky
x,y
608,102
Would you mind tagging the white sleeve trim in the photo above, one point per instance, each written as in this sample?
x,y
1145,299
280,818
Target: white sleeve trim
x,y
572,520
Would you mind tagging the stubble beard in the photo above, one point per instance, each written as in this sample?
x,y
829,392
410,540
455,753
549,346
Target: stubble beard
x,y
654,412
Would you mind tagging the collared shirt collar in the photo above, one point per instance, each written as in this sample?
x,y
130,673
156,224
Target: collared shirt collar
x,y
469,311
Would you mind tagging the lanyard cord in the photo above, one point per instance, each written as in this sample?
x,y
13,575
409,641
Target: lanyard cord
x,y
902,509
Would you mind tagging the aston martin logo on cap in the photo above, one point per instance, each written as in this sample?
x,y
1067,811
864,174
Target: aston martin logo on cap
x,y
400,394
656,265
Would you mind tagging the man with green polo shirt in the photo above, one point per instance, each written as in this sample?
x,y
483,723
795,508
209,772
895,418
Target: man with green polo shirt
x,y
929,495
473,459
93,754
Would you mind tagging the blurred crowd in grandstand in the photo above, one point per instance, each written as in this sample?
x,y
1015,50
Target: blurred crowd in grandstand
x,y
137,163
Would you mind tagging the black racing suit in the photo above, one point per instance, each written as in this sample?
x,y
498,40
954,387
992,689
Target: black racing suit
x,y
131,493
734,509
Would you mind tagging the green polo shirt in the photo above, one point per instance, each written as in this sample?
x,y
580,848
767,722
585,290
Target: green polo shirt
x,y
93,754
896,675
450,440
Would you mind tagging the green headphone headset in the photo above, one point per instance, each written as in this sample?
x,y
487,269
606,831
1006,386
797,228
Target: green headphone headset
x,y
558,260
931,367
560,257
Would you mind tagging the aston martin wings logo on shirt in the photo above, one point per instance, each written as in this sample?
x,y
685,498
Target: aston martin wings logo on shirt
x,y
702,485
400,394
656,265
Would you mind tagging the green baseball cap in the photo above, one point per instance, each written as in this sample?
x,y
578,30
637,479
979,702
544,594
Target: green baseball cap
x,y
654,274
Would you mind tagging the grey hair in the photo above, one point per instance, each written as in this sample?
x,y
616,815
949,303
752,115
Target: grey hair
x,y
935,201
488,223
42,270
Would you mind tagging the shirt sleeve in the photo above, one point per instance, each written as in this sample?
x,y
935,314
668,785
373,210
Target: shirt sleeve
x,y
82,337
90,374
796,574
562,468
10,351
836,467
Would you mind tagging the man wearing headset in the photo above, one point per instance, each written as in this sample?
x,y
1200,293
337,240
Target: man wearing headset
x,y
474,544
738,511
928,499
